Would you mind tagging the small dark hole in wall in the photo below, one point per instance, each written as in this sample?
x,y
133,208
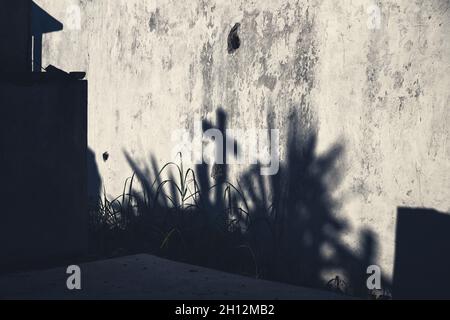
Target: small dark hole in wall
x,y
234,42
105,156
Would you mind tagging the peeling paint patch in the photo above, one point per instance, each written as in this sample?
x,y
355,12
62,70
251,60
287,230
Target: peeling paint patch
x,y
268,81
306,55
157,23
206,61
415,90
398,80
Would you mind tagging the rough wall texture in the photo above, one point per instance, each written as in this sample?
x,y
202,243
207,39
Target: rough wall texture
x,y
379,87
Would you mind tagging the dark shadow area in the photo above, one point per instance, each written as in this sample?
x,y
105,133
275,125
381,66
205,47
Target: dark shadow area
x,y
43,143
43,140
15,36
422,255
93,178
301,222
289,233
22,26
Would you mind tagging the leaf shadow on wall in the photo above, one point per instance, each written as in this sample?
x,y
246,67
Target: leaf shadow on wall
x,y
282,236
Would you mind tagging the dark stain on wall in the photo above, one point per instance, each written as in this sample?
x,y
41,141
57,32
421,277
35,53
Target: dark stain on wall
x,y
234,42
157,23
207,61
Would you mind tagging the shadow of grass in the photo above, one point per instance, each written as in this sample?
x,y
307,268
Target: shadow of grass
x,y
275,228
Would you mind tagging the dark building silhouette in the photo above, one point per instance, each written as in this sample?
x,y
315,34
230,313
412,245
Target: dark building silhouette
x,y
422,255
43,141
41,23
15,36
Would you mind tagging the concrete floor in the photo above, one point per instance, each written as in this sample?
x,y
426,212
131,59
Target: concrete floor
x,y
148,277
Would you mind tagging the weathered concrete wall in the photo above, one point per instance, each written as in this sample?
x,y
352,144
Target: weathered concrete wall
x,y
377,86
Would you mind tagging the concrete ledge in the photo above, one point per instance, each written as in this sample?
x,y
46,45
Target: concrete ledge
x,y
150,278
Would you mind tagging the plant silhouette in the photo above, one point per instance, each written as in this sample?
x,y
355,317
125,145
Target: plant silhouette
x,y
274,227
